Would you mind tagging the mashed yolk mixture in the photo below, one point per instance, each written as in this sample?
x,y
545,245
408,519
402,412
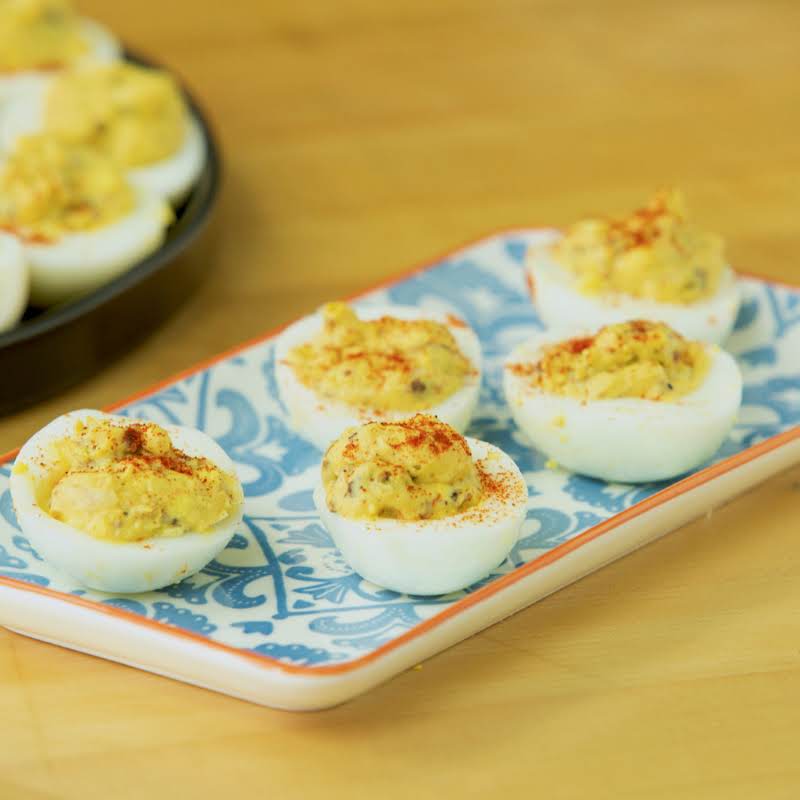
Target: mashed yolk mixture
x,y
49,188
656,254
134,115
417,469
640,359
387,364
128,483
38,34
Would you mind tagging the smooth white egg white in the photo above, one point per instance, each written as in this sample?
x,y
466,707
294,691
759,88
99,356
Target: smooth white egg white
x,y
77,263
14,281
103,47
116,567
561,305
436,556
627,439
23,114
322,420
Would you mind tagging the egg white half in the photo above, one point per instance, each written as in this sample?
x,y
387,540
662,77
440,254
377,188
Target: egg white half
x,y
561,305
435,556
322,420
626,439
103,47
77,263
23,114
116,567
14,281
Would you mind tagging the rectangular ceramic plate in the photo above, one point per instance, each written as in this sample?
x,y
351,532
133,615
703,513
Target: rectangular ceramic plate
x,y
280,619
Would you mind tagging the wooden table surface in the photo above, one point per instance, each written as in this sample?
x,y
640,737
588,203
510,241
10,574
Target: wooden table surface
x,y
359,138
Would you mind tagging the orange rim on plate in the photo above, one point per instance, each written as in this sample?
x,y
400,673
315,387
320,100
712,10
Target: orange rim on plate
x,y
479,595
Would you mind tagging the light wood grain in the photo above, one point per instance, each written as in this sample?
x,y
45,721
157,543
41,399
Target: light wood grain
x,y
360,138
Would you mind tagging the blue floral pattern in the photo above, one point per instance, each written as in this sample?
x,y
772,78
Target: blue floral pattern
x,y
281,588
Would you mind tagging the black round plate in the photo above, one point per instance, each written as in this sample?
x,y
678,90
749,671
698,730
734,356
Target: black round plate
x,y
51,350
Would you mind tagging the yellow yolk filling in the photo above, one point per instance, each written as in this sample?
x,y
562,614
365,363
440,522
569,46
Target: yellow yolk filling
x,y
417,469
134,115
39,34
127,483
49,188
647,360
387,364
655,254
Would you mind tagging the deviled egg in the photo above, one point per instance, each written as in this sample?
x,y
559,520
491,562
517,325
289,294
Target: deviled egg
x,y
14,281
123,505
40,37
415,507
79,220
134,115
654,264
337,368
633,402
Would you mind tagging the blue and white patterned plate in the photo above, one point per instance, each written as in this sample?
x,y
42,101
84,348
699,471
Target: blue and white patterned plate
x,y
280,618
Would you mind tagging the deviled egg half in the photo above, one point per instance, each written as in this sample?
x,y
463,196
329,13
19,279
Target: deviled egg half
x,y
654,264
415,507
122,505
79,221
41,37
134,115
338,368
633,402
